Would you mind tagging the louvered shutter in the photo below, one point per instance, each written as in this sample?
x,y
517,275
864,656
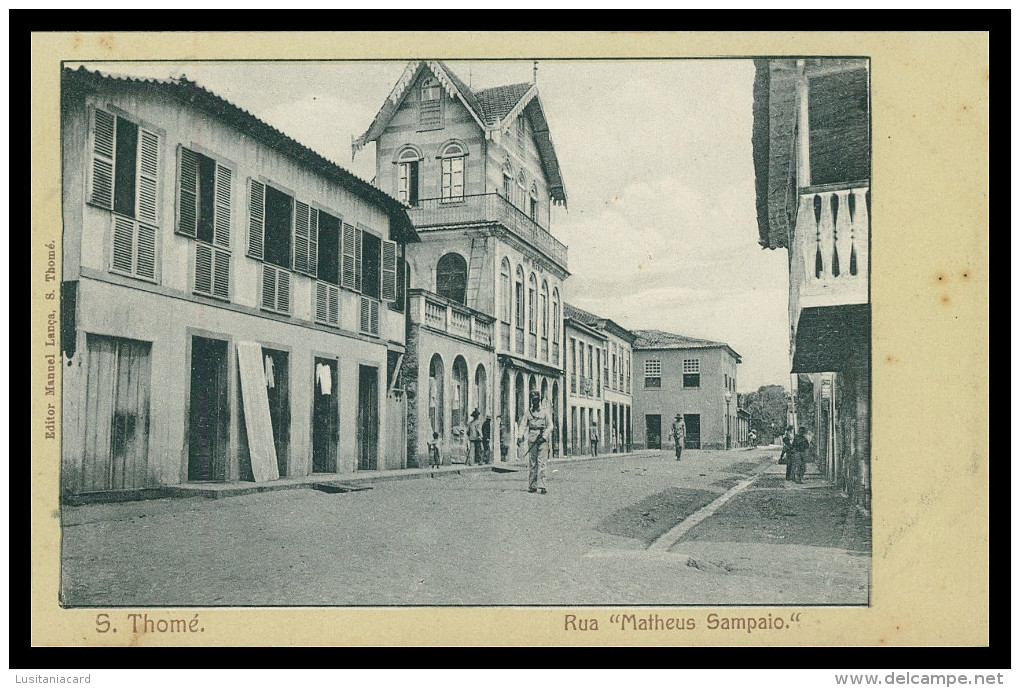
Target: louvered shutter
x,y
366,315
389,270
221,225
123,244
203,268
313,242
347,271
147,177
333,315
221,274
256,218
268,287
301,212
321,302
187,210
357,258
283,291
103,137
374,317
275,289
145,252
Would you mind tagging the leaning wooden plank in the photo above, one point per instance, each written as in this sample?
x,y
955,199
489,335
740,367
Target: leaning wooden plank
x,y
256,412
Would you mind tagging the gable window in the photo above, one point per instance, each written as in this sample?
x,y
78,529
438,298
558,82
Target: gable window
x,y
203,213
124,178
453,173
430,104
653,373
451,277
692,372
407,177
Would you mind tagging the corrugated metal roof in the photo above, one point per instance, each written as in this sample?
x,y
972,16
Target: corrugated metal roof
x,y
657,339
197,96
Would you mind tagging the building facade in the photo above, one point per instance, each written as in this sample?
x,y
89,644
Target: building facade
x,y
812,157
479,175
230,302
696,378
598,388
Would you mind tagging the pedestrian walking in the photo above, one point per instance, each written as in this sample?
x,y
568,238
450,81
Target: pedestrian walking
x,y
593,438
433,447
679,434
474,433
487,439
535,428
798,455
784,456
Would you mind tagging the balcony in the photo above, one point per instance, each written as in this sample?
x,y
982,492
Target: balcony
x,y
443,315
829,270
487,208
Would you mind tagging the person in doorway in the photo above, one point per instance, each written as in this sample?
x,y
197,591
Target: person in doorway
x,y
487,439
474,433
535,428
679,434
433,446
798,455
593,438
784,456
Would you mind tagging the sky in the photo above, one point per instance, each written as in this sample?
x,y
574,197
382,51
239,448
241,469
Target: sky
x,y
660,227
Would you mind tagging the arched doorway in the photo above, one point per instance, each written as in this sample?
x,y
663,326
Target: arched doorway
x,y
436,396
504,414
532,387
519,407
557,424
481,392
459,404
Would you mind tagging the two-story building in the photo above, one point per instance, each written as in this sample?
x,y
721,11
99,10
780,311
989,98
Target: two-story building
x,y
231,308
598,388
696,378
479,173
812,158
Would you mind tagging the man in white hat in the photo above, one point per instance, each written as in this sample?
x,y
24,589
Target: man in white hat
x,y
474,433
536,429
679,434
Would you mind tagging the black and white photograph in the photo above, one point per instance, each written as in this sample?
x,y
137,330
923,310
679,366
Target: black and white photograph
x,y
523,332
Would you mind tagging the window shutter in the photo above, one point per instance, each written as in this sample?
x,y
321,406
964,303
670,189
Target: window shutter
x,y
389,270
203,268
333,315
256,218
321,302
147,177
369,321
357,258
374,316
145,258
301,236
123,244
268,287
347,271
313,242
103,137
221,274
283,291
275,289
221,225
187,197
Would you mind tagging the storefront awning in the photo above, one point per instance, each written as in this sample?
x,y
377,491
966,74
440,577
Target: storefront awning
x,y
528,366
833,339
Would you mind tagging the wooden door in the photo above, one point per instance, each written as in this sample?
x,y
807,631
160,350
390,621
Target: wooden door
x,y
653,431
325,432
277,372
692,423
209,413
368,418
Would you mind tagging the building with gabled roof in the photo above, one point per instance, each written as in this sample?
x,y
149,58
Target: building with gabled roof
x,y
479,174
695,378
231,308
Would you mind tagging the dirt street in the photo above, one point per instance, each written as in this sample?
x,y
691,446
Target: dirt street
x,y
479,538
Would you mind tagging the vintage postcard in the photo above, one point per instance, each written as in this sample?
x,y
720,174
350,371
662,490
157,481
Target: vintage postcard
x,y
610,339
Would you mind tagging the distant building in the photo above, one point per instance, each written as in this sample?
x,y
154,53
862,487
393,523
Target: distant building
x,y
230,307
479,174
598,387
693,377
812,158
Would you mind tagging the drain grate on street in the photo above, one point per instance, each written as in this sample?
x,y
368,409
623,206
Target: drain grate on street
x,y
657,514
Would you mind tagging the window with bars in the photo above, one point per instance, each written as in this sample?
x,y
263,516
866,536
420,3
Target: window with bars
x,y
124,178
692,372
653,373
203,213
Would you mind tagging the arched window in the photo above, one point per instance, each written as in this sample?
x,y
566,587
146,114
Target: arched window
x,y
460,401
533,203
452,158
508,181
451,277
436,396
532,310
506,294
408,167
481,392
556,316
522,191
545,309
430,105
519,310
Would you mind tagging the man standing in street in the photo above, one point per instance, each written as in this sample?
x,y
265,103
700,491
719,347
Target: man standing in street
x,y
679,433
487,439
535,428
593,438
475,437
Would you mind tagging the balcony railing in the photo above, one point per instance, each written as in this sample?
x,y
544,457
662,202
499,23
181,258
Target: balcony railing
x,y
441,314
438,212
